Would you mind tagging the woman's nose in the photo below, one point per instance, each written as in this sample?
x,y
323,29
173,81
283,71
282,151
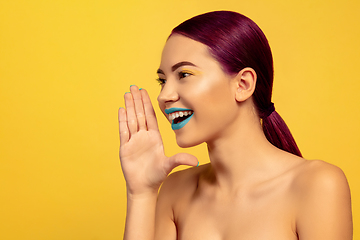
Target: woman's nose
x,y
168,93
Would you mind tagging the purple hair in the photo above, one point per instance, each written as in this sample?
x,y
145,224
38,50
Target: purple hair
x,y
236,42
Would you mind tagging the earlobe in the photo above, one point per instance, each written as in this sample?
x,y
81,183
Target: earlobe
x,y
245,83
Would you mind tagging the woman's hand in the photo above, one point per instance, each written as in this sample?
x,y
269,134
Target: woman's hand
x,y
142,157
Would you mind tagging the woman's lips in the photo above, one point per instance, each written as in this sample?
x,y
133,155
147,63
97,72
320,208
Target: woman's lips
x,y
179,117
171,110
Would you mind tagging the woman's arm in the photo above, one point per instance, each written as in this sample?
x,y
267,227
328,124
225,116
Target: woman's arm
x,y
143,162
325,206
140,217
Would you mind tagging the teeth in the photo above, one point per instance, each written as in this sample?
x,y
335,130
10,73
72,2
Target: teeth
x,y
174,115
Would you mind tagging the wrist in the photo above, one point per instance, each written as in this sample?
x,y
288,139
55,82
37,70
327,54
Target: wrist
x,y
145,195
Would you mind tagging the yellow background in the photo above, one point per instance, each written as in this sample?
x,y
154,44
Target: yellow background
x,y
65,65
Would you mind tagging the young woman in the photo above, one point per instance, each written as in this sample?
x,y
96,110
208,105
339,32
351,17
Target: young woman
x,y
216,77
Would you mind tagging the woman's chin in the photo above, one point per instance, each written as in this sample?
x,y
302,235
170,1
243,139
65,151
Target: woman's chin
x,y
186,143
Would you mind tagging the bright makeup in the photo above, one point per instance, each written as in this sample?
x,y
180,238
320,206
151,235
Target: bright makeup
x,y
191,71
179,117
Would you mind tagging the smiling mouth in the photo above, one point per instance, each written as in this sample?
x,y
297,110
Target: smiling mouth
x,y
179,116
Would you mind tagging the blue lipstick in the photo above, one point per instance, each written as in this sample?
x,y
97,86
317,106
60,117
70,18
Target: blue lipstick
x,y
176,126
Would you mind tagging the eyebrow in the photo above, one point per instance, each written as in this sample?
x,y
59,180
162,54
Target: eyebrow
x,y
176,66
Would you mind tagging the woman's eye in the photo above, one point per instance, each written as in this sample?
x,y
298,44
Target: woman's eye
x,y
161,81
184,74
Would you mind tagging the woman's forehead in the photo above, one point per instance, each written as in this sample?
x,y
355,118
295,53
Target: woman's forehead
x,y
179,48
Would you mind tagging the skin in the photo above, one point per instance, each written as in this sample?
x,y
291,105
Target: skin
x,y
249,190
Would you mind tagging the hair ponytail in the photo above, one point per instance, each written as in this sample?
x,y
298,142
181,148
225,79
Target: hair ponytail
x,y
236,42
277,132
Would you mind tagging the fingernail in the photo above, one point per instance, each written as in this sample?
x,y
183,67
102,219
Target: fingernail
x,y
127,92
198,164
132,85
140,88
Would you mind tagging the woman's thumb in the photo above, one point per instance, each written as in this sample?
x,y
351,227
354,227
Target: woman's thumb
x,y
182,159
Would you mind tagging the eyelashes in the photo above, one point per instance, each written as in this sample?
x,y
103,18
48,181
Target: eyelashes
x,y
181,74
161,81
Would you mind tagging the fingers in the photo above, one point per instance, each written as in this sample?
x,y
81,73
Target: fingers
x,y
123,127
130,113
150,116
139,108
139,113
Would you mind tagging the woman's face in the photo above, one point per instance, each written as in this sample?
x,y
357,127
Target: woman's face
x,y
197,96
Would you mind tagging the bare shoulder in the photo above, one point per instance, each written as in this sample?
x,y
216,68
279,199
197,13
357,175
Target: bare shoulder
x,y
177,188
316,177
323,200
181,183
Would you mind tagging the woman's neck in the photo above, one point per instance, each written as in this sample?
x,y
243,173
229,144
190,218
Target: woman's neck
x,y
242,156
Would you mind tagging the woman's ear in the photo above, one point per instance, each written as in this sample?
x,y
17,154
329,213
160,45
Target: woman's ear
x,y
245,82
